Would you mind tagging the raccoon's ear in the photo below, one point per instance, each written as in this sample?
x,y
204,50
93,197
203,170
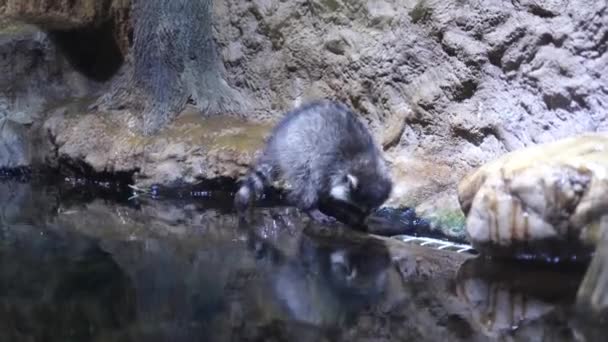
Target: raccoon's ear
x,y
352,181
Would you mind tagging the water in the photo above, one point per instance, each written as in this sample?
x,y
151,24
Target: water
x,y
83,264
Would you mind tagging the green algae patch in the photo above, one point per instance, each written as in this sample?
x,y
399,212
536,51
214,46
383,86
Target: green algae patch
x,y
450,222
331,5
10,27
421,12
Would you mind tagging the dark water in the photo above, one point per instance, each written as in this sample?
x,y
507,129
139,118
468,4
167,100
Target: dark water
x,y
80,264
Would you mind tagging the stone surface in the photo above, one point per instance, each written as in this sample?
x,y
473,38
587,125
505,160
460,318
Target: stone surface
x,y
191,149
541,201
35,76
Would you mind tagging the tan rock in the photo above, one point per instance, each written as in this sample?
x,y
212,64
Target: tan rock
x,y
57,14
417,178
192,148
550,194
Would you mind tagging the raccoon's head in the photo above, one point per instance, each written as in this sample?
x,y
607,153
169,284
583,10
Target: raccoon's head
x,y
363,189
358,271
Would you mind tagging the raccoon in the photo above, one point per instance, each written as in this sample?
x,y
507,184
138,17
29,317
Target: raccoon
x,y
325,154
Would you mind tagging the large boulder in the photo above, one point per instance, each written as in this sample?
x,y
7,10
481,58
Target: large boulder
x,y
544,201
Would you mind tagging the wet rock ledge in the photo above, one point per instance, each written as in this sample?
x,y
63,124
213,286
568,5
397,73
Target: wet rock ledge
x,y
191,149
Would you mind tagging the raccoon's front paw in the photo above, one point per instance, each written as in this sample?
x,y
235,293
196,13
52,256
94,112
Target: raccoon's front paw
x,y
320,218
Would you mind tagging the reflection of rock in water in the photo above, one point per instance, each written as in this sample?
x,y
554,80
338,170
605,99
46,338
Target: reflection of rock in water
x,y
593,293
59,287
517,299
592,296
22,203
15,198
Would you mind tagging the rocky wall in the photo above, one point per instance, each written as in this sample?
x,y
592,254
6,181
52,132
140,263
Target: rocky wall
x,y
445,86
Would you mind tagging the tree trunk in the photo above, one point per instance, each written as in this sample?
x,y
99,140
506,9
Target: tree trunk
x,y
173,62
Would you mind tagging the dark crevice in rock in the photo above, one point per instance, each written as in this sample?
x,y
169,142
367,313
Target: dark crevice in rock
x,y
93,51
466,91
475,66
495,56
546,39
474,137
580,100
78,169
602,45
357,104
541,12
556,101
528,53
448,50
417,120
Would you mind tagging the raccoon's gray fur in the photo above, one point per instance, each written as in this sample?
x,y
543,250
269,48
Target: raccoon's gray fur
x,y
324,152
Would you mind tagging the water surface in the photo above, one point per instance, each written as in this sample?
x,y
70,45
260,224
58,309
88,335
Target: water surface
x,y
79,264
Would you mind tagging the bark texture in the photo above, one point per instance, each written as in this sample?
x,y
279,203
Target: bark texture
x,y
173,62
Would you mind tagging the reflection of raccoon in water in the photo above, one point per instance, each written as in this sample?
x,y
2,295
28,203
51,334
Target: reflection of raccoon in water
x,y
324,153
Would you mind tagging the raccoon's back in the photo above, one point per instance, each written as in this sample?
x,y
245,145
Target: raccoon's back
x,y
319,135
